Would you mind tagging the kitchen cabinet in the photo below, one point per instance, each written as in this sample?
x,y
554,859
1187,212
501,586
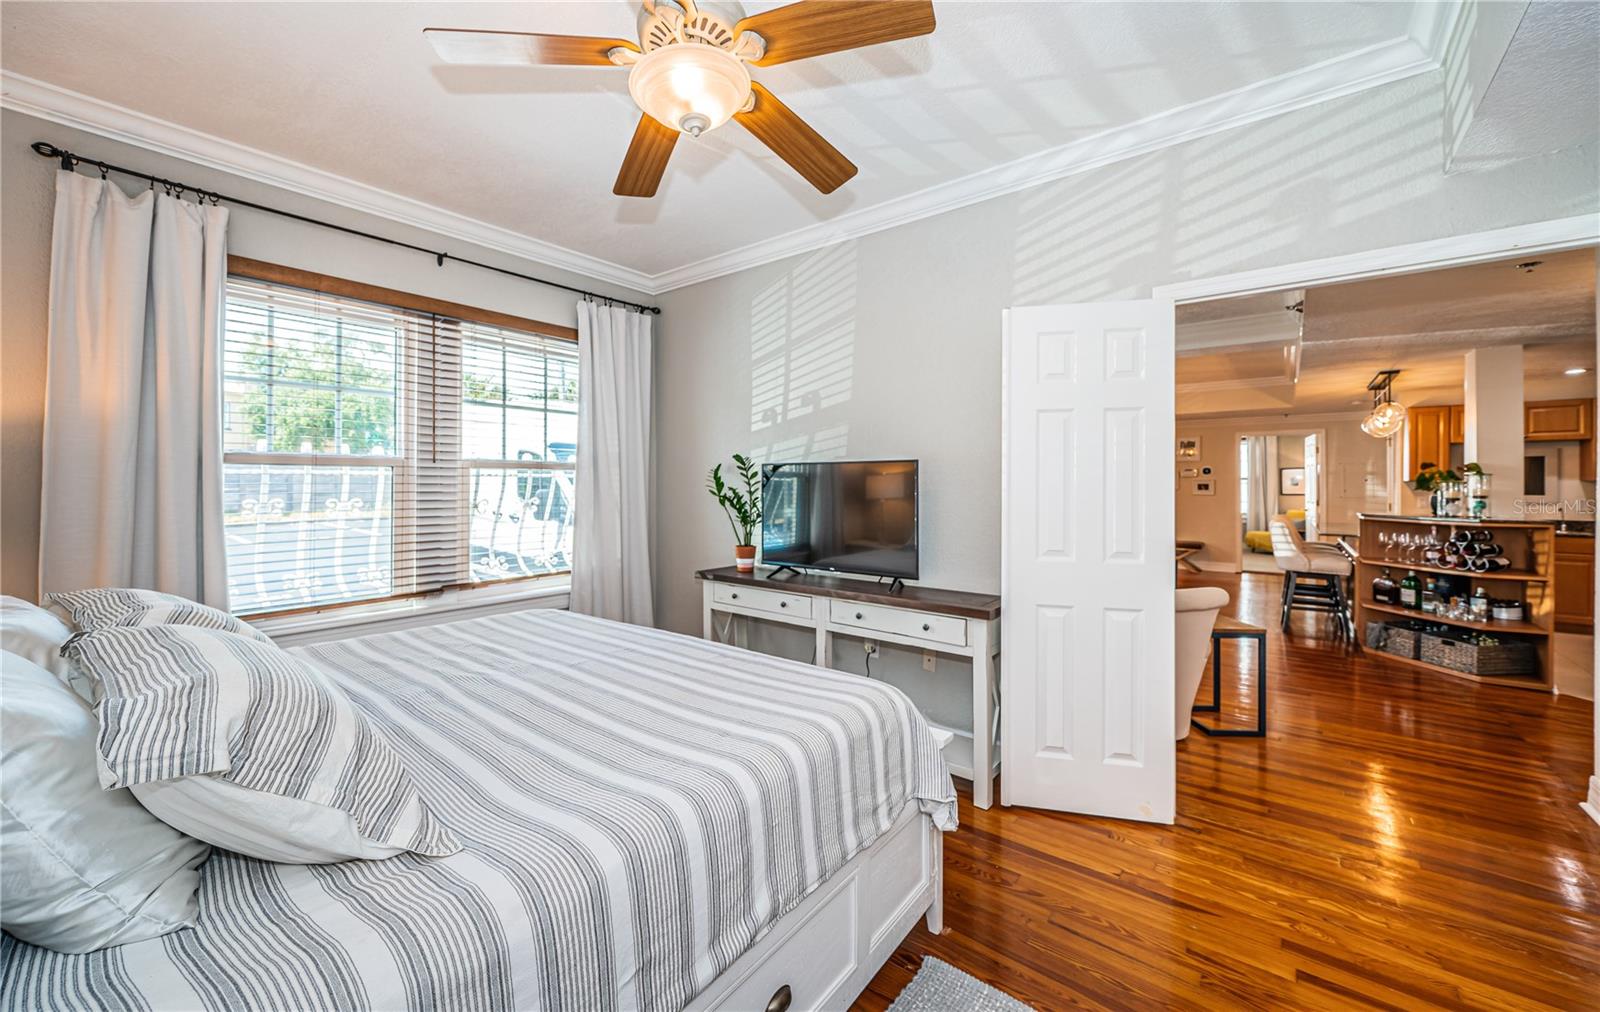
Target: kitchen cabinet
x,y
1552,420
1427,438
1574,575
1458,423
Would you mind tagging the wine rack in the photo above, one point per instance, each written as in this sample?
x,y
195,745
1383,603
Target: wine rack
x,y
1524,570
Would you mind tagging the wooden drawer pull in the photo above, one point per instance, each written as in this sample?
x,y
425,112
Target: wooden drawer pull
x,y
780,1000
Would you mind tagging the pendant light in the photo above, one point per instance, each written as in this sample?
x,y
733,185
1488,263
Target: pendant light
x,y
1388,416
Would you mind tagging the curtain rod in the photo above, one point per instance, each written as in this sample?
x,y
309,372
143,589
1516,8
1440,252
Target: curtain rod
x,y
69,160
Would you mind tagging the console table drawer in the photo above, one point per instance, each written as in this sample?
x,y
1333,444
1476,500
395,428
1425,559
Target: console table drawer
x,y
920,625
756,599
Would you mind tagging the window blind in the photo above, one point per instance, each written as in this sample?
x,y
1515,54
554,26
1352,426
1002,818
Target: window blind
x,y
374,451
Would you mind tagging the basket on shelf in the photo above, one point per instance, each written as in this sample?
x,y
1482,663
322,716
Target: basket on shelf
x,y
1402,638
1477,654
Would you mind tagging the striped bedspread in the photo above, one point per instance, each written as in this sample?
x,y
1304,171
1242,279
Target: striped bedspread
x,y
636,809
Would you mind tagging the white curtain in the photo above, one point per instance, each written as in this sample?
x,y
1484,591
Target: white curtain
x,y
132,490
611,535
1262,506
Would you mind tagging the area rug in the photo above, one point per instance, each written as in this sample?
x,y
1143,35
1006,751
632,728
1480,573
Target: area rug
x,y
940,987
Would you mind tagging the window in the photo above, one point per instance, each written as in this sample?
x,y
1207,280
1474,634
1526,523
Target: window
x,y
376,450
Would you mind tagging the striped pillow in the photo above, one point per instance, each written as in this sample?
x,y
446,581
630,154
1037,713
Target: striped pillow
x,y
105,607
240,744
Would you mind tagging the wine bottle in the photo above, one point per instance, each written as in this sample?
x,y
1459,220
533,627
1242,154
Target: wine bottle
x,y
1477,534
1410,590
1490,564
1479,549
1384,590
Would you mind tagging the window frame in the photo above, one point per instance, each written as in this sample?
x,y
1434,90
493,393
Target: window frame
x,y
406,394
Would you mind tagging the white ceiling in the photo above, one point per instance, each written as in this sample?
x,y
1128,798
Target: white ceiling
x,y
352,90
1422,324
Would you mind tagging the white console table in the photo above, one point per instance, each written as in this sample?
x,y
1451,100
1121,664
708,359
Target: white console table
x,y
943,621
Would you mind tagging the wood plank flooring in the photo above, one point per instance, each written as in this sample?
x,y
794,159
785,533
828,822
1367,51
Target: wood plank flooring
x,y
1400,839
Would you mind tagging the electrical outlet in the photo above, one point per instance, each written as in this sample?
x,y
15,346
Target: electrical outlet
x,y
929,659
871,647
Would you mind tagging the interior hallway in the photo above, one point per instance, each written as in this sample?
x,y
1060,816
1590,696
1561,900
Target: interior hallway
x,y
1400,839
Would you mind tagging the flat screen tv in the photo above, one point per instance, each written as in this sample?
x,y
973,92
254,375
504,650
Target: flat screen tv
x,y
856,516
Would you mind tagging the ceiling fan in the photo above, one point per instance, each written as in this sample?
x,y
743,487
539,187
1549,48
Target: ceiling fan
x,y
689,75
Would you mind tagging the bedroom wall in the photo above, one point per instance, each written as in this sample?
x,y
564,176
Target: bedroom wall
x,y
26,207
889,345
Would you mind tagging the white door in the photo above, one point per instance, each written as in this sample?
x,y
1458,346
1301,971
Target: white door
x,y
1087,566
1312,460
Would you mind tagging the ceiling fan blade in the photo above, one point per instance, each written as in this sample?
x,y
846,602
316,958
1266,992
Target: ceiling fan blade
x,y
469,45
646,159
814,27
792,139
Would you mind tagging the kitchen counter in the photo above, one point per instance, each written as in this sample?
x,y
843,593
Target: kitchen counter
x,y
1457,521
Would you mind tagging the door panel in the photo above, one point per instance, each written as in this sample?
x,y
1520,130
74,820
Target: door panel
x,y
1087,559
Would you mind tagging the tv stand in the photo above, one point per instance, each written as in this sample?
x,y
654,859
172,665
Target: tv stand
x,y
925,618
777,570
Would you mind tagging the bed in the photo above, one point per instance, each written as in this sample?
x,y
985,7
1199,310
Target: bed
x,y
649,821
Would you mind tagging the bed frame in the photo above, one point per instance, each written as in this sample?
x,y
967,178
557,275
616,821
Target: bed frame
x,y
824,952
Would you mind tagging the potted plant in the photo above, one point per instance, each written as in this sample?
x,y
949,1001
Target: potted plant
x,y
742,507
1430,479
1446,488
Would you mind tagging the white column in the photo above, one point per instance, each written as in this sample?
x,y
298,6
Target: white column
x,y
1494,422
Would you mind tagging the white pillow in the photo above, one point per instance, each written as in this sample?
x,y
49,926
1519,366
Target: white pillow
x,y
80,868
36,635
105,607
241,744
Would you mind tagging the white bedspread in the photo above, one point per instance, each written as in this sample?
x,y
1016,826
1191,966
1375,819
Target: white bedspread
x,y
636,808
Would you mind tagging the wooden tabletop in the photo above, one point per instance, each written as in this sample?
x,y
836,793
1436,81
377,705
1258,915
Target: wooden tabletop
x,y
930,599
1234,627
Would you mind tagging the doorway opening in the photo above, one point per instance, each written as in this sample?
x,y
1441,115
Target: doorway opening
x,y
1278,473
1446,315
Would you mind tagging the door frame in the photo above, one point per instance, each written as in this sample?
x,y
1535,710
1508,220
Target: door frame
x,y
1319,431
1552,236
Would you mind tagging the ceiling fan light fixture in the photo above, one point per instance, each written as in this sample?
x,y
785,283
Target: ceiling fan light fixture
x,y
690,87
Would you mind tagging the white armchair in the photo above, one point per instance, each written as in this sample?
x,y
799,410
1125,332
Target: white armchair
x,y
1197,609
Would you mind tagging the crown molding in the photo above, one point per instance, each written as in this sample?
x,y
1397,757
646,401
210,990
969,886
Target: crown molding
x,y
1201,336
1341,76
1434,25
82,112
1416,53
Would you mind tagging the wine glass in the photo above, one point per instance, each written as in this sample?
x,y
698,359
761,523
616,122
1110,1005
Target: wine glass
x,y
1386,542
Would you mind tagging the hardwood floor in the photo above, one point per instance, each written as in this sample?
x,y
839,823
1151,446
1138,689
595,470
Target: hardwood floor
x,y
1399,840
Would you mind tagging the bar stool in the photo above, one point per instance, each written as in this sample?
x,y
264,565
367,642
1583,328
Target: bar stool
x,y
1314,577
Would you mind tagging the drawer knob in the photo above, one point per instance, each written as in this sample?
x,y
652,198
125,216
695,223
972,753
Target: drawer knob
x,y
783,604
926,627
733,597
858,616
780,999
